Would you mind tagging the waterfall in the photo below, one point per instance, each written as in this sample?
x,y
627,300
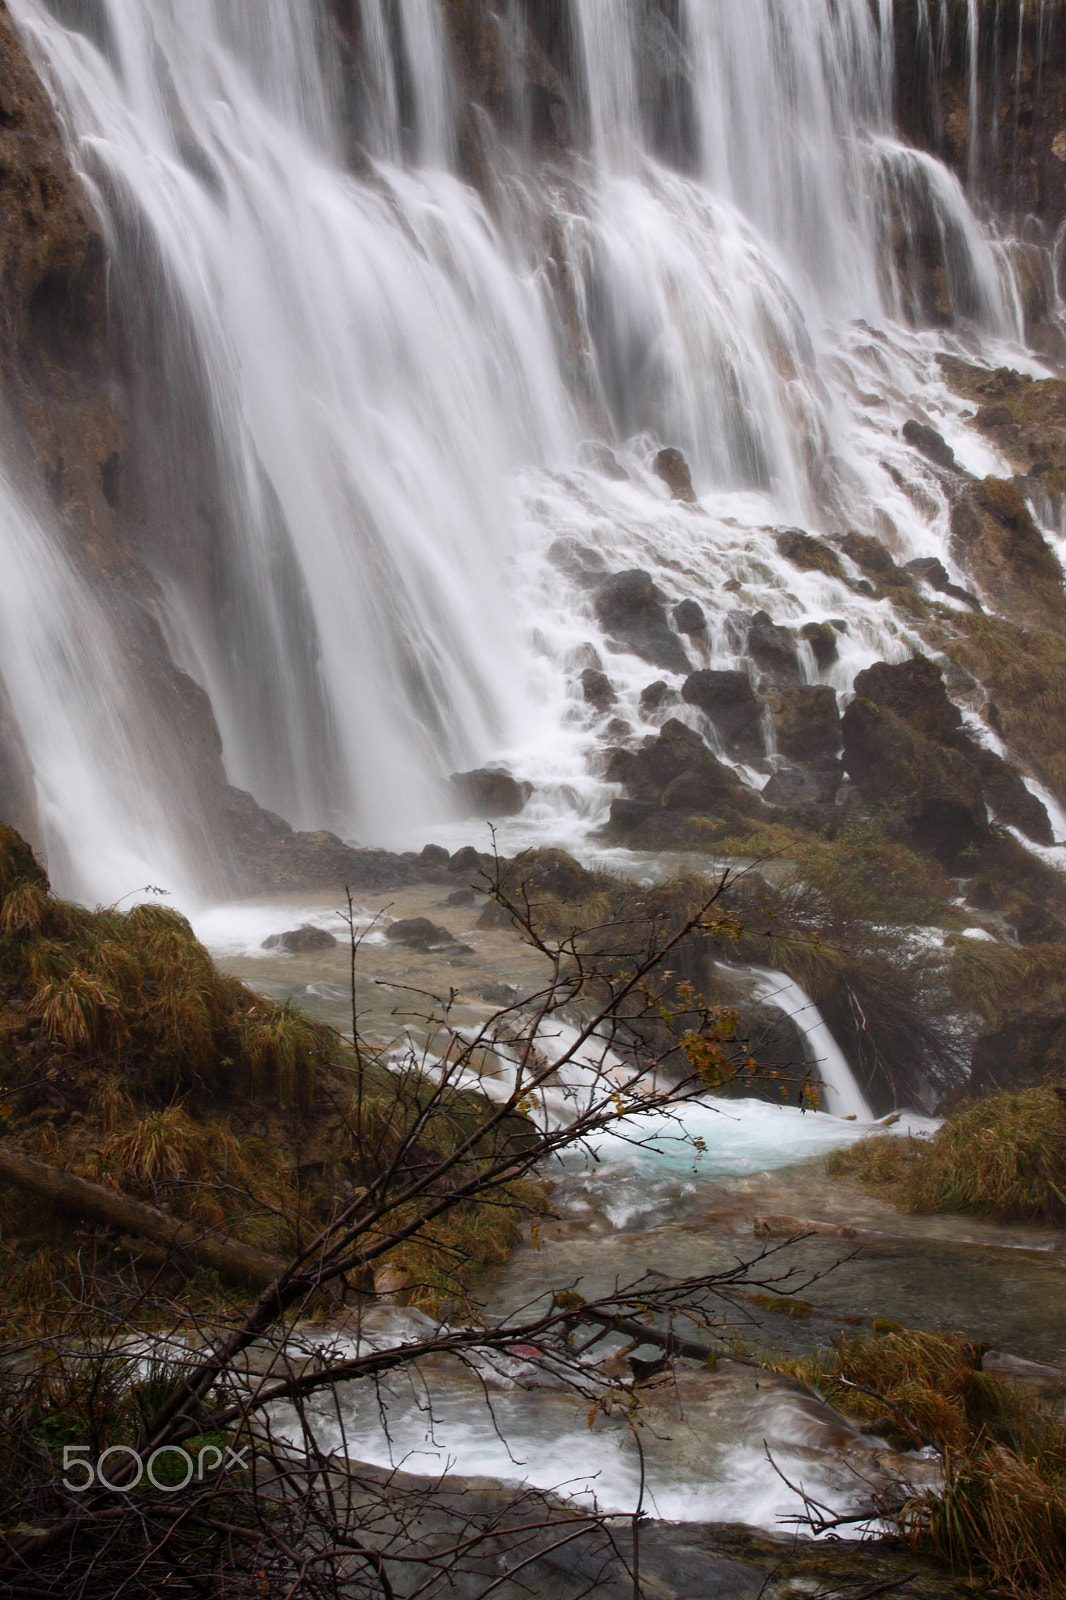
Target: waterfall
x,y
362,385
841,1094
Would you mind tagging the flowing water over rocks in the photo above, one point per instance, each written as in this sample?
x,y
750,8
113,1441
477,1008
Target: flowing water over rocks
x,y
594,418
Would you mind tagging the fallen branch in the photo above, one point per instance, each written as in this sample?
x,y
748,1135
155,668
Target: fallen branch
x,y
186,1247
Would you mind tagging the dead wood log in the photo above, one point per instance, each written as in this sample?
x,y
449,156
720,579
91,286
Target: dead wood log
x,y
185,1245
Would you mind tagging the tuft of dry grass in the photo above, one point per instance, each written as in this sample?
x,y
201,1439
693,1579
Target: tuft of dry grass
x,y
1001,1157
1000,1516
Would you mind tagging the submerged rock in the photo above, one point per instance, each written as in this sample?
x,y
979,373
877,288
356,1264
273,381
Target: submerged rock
x,y
630,607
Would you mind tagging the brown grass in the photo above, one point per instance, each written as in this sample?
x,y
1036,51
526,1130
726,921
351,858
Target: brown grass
x,y
1002,1157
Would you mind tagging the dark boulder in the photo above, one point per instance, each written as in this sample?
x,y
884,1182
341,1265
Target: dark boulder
x,y
730,702
689,618
490,792
418,933
656,696
871,557
301,941
434,858
597,689
793,788
673,469
929,443
773,648
934,790
467,860
627,816
704,792
1011,802
550,872
913,690
630,608
931,570
822,638
807,723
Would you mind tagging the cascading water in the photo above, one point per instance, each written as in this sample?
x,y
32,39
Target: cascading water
x,y
363,392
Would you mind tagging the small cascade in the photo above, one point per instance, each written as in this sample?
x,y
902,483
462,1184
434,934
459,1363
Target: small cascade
x,y
841,1095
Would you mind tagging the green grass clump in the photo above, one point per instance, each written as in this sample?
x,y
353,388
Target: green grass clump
x,y
1002,1157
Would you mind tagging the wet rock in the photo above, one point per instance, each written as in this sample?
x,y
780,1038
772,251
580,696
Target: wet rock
x,y
706,791
618,728
630,609
914,691
673,469
270,856
932,571
1027,1049
581,564
793,788
807,722
1024,417
994,537
498,994
935,791
808,553
822,638
1011,802
929,443
689,618
597,689
772,648
656,696
550,872
418,933
729,700
467,860
301,941
602,459
871,557
671,778
627,816
490,792
434,857
461,897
